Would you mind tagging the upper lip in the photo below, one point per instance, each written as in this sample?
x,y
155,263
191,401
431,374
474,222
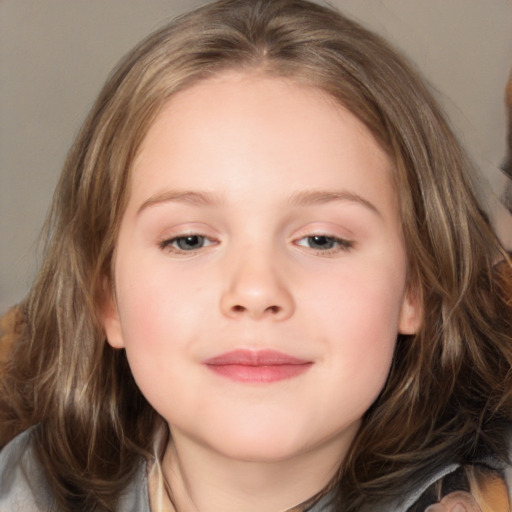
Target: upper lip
x,y
248,357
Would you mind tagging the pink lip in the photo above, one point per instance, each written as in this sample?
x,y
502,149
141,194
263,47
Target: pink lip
x,y
263,366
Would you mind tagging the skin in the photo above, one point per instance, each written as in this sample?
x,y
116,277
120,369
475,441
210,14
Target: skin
x,y
270,165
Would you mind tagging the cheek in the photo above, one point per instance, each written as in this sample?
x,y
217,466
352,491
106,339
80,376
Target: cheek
x,y
358,317
156,302
362,303
155,321
155,344
163,311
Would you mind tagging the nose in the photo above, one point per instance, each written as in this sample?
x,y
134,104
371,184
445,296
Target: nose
x,y
256,289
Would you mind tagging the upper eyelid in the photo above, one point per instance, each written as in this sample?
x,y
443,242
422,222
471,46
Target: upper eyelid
x,y
342,244
339,239
308,231
168,240
187,235
189,229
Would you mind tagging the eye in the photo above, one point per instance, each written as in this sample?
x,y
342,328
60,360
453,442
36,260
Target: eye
x,y
324,243
186,243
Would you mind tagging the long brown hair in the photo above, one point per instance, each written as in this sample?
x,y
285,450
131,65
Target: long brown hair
x,y
448,396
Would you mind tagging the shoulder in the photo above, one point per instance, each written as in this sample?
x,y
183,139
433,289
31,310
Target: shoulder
x,y
23,484
135,497
485,484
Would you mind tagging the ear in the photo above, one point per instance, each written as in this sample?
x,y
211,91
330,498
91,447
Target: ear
x,y
411,312
111,322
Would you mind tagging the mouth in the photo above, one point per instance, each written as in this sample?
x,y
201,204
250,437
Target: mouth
x,y
257,366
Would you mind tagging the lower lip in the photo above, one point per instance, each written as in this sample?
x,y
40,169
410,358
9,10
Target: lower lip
x,y
261,373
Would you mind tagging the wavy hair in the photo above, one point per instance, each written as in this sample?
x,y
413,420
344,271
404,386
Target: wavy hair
x,y
448,395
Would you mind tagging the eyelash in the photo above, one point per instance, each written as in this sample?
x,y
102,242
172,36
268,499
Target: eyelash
x,y
339,244
336,244
169,243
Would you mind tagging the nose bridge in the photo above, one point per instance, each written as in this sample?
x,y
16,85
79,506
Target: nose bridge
x,y
256,286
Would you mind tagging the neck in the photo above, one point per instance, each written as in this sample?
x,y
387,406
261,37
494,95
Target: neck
x,y
202,480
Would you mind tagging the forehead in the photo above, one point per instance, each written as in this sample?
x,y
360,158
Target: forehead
x,y
241,151
241,115
254,145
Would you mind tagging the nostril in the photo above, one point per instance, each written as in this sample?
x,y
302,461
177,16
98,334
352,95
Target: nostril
x,y
240,309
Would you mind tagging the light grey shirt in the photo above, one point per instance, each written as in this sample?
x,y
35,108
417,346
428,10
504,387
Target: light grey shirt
x,y
23,487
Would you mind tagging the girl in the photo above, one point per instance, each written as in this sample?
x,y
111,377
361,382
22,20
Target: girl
x,y
267,286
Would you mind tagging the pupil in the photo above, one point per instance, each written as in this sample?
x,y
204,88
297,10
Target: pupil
x,y
322,242
190,242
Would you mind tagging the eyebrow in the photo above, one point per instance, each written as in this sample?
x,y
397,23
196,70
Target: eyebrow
x,y
314,197
303,198
181,196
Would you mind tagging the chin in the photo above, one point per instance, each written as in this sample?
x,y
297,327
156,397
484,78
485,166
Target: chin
x,y
261,446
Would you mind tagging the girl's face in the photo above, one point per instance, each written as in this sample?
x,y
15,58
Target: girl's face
x,y
260,270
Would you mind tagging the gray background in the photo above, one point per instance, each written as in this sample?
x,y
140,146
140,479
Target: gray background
x,y
55,55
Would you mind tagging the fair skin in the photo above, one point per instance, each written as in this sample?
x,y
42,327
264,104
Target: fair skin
x,y
262,216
